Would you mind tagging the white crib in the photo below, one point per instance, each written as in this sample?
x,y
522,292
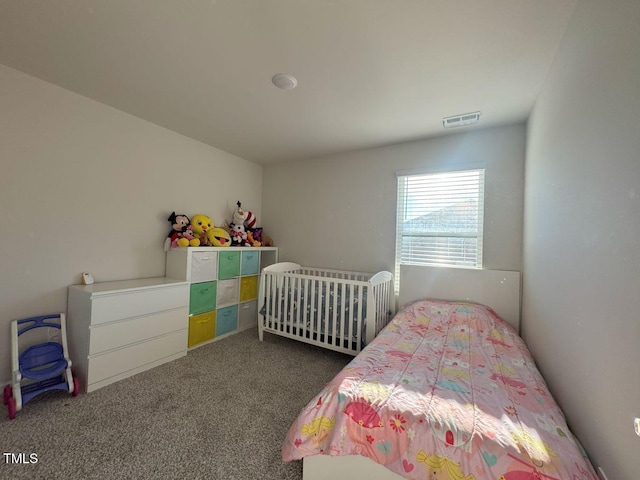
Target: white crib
x,y
335,309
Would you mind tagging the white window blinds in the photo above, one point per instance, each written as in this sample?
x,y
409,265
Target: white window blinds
x,y
440,218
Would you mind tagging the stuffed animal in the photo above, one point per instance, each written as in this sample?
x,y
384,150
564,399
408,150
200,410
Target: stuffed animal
x,y
181,234
218,237
252,241
238,232
201,223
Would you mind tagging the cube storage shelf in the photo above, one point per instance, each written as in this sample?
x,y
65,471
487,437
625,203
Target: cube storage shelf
x,y
223,287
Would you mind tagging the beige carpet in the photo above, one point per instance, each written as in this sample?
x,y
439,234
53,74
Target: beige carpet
x,y
221,412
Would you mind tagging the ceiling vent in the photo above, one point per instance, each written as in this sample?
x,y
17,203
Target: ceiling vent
x,y
460,120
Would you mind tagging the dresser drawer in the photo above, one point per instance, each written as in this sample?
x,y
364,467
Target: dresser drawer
x,y
118,306
229,265
227,292
202,328
116,362
250,263
248,288
204,266
226,320
202,297
117,334
247,315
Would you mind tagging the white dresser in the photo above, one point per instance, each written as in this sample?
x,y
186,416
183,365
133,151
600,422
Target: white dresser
x,y
118,329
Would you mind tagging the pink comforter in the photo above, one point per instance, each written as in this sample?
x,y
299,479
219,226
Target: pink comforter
x,y
447,390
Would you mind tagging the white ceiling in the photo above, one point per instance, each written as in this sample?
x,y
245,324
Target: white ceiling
x,y
370,72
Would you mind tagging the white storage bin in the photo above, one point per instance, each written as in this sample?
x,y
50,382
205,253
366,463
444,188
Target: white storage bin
x,y
227,292
204,266
248,315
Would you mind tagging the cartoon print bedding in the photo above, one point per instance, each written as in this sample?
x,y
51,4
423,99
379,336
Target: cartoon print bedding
x,y
447,388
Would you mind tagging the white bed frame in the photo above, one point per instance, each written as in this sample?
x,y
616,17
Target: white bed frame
x,y
499,289
294,281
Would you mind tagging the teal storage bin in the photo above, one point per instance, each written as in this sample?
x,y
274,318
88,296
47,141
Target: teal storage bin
x,y
228,265
202,297
250,263
226,320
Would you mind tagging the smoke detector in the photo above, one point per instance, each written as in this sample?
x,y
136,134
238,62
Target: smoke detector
x,y
284,81
460,120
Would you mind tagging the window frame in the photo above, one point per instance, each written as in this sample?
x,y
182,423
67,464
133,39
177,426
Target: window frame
x,y
401,206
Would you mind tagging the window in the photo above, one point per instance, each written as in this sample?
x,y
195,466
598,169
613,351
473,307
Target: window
x,y
439,220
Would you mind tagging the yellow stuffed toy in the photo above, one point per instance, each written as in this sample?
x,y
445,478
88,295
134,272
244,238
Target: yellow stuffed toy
x,y
201,224
218,237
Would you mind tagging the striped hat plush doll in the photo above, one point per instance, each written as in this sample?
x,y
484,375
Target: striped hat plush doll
x,y
238,231
250,220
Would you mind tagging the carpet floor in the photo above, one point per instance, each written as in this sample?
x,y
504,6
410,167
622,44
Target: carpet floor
x,y
221,412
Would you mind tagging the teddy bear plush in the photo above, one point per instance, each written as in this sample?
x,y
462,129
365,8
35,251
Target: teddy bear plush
x,y
201,223
181,234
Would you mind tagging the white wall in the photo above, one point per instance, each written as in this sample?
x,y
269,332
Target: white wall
x,y
339,211
85,187
582,232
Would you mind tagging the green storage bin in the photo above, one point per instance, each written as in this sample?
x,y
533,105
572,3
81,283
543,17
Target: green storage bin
x,y
228,265
202,297
226,320
250,263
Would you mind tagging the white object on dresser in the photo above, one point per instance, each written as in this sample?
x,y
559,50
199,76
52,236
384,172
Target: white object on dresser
x,y
118,329
223,287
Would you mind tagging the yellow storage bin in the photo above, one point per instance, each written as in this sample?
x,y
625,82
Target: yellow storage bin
x,y
202,328
248,288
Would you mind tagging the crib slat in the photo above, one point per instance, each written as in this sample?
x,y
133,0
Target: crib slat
x,y
378,299
270,294
302,307
382,310
286,292
360,323
335,312
323,322
313,314
293,304
348,321
323,308
299,310
278,306
299,320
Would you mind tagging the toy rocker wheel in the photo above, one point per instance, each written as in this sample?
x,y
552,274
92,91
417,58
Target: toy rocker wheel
x,y
11,407
7,394
76,387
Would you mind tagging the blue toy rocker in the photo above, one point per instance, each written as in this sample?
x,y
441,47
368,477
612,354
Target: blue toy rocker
x,y
40,367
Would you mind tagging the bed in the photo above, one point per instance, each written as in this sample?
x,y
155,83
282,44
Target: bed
x,y
447,390
335,309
